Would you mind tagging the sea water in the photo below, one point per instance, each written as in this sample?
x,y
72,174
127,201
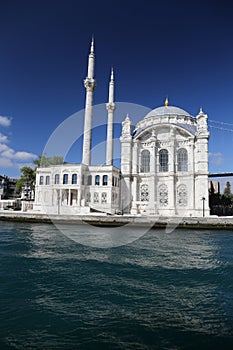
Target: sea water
x,y
166,290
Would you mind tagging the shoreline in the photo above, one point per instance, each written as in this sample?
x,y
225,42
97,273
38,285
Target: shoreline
x,y
224,222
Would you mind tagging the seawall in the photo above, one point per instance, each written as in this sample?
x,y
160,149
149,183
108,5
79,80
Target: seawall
x,y
121,220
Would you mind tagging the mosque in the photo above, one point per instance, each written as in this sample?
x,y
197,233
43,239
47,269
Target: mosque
x,y
164,166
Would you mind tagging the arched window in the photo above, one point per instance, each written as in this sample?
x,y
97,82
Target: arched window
x,y
97,180
163,160
182,159
65,179
47,180
145,161
105,180
41,180
74,179
89,180
57,179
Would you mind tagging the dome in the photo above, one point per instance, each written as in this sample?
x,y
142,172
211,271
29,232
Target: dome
x,y
167,110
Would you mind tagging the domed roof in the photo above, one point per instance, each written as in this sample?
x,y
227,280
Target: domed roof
x,y
167,110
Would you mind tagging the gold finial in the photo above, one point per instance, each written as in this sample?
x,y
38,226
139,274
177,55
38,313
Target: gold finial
x,y
166,103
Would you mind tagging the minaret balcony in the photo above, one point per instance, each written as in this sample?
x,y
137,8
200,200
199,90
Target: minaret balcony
x,y
89,84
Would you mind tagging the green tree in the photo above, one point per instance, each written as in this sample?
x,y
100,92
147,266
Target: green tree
x,y
227,190
44,161
27,178
28,174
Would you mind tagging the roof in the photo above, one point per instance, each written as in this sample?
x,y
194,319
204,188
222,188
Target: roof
x,y
167,110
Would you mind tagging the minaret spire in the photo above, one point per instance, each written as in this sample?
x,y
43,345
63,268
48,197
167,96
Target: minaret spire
x,y
112,74
92,44
110,108
89,84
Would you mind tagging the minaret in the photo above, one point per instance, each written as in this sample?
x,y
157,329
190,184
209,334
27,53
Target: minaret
x,y
110,106
89,84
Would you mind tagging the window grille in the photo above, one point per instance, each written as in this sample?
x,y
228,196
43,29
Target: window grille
x,y
163,195
182,159
145,161
163,160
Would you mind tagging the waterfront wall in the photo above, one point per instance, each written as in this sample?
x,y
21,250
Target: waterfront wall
x,y
121,220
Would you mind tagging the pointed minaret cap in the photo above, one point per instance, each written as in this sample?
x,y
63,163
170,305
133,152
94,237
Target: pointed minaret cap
x,y
201,110
166,103
112,74
127,117
92,44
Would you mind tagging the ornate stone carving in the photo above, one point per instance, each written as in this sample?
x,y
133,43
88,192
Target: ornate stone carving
x,y
202,127
89,84
163,195
126,128
144,193
182,196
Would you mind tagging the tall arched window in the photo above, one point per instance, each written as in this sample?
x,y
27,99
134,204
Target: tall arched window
x,y
163,160
182,159
145,161
97,180
105,180
41,180
74,179
65,179
57,179
89,180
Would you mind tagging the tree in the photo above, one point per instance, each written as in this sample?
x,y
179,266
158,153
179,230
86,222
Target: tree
x,y
28,177
44,161
28,174
227,190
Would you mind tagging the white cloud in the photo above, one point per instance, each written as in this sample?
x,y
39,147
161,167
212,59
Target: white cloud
x,y
216,158
6,163
5,121
28,164
10,158
3,138
7,153
22,156
3,147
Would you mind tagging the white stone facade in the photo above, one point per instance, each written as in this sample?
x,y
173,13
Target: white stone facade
x,y
77,189
164,166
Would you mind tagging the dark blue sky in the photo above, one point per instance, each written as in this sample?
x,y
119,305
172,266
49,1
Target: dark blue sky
x,y
183,49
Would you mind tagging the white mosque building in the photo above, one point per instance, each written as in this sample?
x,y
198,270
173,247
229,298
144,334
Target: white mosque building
x,y
164,166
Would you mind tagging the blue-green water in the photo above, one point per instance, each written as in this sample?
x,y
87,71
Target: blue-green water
x,y
164,291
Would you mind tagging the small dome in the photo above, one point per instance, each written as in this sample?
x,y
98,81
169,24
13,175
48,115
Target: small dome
x,y
167,110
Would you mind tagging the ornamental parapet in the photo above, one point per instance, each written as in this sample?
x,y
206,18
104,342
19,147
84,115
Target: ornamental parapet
x,y
169,119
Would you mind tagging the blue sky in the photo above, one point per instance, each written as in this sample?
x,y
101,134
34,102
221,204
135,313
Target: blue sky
x,y
182,49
